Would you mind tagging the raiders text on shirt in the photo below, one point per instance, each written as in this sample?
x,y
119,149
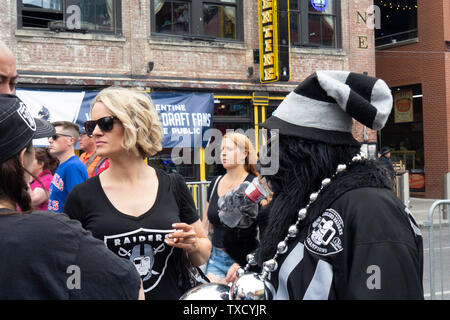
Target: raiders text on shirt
x,y
141,238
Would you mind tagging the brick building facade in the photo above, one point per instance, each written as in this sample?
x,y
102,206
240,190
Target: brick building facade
x,y
135,55
423,62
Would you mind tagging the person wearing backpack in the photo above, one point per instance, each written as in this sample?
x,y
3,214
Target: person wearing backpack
x,y
94,163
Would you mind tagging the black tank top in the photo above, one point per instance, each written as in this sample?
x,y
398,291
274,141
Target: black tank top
x,y
213,214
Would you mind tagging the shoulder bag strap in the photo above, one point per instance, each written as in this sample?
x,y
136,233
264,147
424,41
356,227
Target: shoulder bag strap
x,y
214,188
91,159
173,184
99,164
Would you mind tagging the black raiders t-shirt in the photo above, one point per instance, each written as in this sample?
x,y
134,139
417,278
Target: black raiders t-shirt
x,y
139,239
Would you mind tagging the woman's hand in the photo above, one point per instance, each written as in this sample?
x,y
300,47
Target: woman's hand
x,y
184,237
231,274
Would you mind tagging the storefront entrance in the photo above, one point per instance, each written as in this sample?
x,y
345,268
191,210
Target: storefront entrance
x,y
403,133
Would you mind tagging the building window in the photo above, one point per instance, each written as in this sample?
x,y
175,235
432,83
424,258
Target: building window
x,y
62,15
398,22
315,25
219,21
212,19
172,17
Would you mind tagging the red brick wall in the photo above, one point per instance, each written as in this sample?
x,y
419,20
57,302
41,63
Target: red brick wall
x,y
129,55
101,60
6,23
424,62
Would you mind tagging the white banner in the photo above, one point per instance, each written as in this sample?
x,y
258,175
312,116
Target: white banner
x,y
51,106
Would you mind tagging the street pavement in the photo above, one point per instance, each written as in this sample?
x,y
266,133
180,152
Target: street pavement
x,y
420,207
441,263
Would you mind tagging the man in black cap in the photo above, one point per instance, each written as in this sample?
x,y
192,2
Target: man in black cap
x,y
385,159
334,229
45,255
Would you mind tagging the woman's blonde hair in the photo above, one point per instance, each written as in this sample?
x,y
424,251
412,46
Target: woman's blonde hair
x,y
135,110
244,143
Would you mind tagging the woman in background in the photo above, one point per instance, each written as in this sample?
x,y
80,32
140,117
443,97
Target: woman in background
x,y
239,158
43,168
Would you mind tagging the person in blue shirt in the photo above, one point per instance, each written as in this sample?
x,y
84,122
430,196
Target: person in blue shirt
x,y
71,170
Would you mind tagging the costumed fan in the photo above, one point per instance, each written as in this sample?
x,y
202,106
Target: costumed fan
x,y
334,229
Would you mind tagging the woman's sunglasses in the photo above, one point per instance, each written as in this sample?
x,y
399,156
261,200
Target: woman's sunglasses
x,y
105,124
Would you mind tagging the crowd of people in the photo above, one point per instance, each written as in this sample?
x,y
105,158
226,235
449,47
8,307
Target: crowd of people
x,y
134,231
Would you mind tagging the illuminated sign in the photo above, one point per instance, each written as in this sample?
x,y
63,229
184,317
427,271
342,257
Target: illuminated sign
x,y
319,5
403,106
268,41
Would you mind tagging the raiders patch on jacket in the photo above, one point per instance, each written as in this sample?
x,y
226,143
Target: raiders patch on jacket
x,y
326,234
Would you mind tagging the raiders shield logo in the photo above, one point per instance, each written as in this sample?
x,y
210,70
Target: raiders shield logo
x,y
326,234
26,116
146,249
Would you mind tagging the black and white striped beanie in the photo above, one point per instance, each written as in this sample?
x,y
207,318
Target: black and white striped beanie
x,y
321,108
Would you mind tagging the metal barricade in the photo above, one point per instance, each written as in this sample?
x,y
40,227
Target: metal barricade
x,y
198,191
430,224
402,188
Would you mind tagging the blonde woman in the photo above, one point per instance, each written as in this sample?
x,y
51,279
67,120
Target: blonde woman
x,y
239,158
133,207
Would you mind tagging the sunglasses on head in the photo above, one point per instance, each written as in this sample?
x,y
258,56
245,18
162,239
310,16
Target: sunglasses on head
x,y
57,135
105,124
